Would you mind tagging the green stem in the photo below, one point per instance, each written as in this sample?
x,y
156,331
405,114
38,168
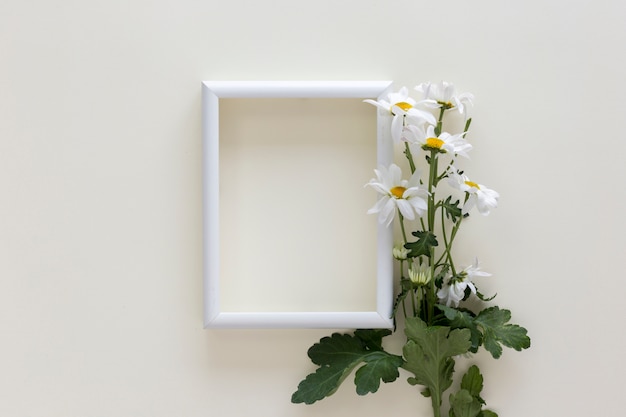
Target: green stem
x,y
431,195
467,125
436,404
403,298
432,289
404,307
409,156
424,304
403,230
401,217
448,243
430,295
453,160
422,223
440,121
449,246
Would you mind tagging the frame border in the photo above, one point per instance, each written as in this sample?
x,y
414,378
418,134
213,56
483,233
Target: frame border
x,y
212,91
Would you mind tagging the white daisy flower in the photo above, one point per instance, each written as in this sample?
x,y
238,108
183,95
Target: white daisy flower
x,y
480,196
452,294
454,291
402,107
445,142
407,196
473,271
443,95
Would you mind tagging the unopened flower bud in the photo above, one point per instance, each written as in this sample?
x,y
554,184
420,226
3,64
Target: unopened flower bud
x,y
400,252
420,275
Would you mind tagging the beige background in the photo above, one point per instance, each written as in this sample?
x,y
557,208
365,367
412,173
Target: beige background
x,y
294,232
100,196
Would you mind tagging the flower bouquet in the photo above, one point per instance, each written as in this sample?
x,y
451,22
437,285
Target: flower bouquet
x,y
433,292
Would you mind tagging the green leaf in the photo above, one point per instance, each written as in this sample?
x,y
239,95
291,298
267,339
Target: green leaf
x,y
441,275
428,354
473,382
463,319
463,404
467,402
372,338
425,240
497,332
320,384
338,349
452,209
378,366
405,285
338,355
490,327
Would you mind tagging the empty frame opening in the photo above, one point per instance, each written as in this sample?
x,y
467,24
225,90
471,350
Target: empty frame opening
x,y
294,233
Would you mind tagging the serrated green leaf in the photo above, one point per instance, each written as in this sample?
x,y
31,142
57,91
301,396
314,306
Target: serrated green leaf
x,y
441,275
378,366
435,373
338,349
467,402
463,319
428,354
372,338
452,209
496,331
425,240
473,382
438,341
494,316
463,404
320,384
338,355
405,286
490,327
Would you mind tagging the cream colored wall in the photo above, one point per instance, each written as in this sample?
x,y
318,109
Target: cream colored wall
x,y
100,197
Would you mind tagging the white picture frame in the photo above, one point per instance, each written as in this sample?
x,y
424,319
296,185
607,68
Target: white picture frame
x,y
215,316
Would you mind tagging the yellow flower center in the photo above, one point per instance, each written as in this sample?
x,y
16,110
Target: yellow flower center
x,y
404,105
398,191
434,143
472,184
446,104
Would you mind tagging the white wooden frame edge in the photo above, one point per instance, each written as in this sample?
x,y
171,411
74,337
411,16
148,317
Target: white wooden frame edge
x,y
212,91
